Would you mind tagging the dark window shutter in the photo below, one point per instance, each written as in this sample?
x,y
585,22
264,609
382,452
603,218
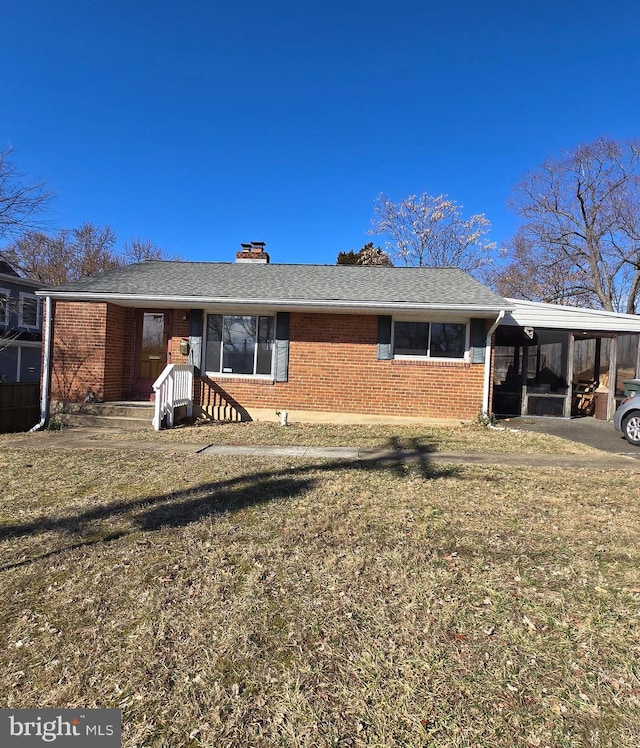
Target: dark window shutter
x,y
196,323
478,340
282,347
384,338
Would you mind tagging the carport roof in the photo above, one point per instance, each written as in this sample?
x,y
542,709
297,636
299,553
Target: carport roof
x,y
577,319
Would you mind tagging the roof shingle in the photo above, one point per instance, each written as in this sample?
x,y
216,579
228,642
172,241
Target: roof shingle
x,y
215,282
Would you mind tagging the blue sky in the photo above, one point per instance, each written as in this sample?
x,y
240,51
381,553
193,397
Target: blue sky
x,y
202,125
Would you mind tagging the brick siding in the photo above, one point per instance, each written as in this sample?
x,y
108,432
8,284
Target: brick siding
x,y
333,367
116,333
79,348
179,333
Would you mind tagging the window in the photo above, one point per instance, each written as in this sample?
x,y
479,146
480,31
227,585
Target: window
x,y
4,306
430,339
411,338
29,311
239,344
448,340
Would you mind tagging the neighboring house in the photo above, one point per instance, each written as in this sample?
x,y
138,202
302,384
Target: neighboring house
x,y
20,327
316,340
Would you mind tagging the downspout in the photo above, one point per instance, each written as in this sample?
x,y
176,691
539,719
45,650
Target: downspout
x,y
487,363
46,366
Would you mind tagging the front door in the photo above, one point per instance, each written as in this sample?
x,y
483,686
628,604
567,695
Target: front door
x,y
152,354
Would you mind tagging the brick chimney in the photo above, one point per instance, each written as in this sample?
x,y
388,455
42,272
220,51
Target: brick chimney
x,y
253,252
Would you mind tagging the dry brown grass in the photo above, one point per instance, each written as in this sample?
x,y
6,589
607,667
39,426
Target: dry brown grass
x,y
454,437
236,602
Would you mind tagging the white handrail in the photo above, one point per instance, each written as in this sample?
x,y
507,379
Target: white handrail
x,y
173,389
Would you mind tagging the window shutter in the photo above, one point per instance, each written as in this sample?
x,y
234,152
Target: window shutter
x,y
478,340
196,322
282,347
384,338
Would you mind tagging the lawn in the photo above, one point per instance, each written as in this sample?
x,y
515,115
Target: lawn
x,y
274,602
454,437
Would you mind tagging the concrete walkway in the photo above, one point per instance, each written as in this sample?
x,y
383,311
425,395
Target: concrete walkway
x,y
84,438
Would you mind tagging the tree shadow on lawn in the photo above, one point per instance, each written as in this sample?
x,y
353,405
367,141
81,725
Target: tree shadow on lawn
x,y
180,508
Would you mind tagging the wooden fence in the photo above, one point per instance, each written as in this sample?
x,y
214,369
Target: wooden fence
x,y
19,406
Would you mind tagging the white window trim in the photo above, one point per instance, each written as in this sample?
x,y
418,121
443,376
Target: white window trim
x,y
464,359
21,322
230,374
7,293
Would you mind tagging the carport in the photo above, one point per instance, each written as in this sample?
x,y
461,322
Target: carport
x,y
551,360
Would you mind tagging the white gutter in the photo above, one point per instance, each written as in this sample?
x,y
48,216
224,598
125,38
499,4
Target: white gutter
x,y
46,366
487,363
317,304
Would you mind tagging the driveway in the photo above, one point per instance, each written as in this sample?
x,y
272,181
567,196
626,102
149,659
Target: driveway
x,y
590,431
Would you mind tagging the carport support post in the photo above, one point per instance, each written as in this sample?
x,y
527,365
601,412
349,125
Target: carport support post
x,y
524,390
488,358
569,398
613,369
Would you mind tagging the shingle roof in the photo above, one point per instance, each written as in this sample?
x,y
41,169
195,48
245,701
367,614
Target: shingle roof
x,y
284,285
6,269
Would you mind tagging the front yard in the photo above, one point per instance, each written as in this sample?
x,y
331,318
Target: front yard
x,y
455,437
243,602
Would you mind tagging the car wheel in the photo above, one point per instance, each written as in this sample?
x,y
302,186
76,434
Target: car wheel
x,y
631,427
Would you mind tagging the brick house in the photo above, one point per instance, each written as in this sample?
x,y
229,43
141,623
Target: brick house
x,y
319,341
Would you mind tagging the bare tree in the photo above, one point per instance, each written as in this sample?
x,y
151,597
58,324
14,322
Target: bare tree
x,y
139,250
21,203
41,257
580,242
70,254
93,250
428,230
65,256
530,275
